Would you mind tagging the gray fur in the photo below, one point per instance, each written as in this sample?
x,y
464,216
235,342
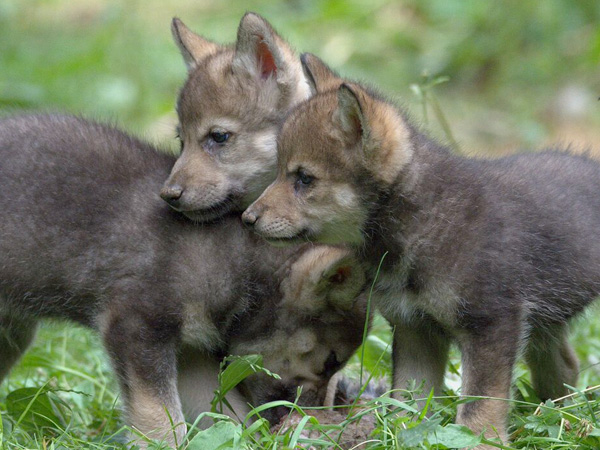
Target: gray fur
x,y
513,241
241,91
495,254
84,236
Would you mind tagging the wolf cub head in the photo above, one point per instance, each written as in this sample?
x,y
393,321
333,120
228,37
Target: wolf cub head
x,y
310,331
336,153
229,110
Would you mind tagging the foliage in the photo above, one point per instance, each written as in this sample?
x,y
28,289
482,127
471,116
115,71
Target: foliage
x,y
519,73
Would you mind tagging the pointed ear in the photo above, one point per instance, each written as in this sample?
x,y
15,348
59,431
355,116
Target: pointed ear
x,y
193,47
350,113
319,76
323,276
259,50
342,279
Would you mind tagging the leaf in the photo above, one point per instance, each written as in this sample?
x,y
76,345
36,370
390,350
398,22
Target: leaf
x,y
425,408
298,430
526,390
453,436
394,403
238,369
222,435
415,435
35,408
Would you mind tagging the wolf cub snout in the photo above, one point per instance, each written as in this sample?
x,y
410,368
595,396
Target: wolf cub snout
x,y
495,254
229,109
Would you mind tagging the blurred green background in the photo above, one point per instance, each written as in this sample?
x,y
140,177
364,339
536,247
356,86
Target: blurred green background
x,y
521,74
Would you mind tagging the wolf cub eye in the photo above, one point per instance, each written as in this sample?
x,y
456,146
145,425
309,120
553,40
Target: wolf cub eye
x,y
219,136
303,179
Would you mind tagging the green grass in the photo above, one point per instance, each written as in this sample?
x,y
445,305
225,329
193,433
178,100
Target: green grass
x,y
519,74
64,395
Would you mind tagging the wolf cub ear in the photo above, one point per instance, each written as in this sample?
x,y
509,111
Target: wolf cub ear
x,y
260,51
350,113
322,277
318,74
381,129
342,279
193,47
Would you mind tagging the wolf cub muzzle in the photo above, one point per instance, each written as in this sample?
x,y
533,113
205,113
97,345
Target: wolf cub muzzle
x,y
307,338
152,283
495,254
229,109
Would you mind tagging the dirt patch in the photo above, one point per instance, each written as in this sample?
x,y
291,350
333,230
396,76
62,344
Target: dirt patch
x,y
346,430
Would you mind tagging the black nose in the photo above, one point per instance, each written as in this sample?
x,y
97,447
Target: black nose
x,y
249,218
171,194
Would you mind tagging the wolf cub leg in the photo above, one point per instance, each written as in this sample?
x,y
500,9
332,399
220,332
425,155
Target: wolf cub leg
x,y
420,353
15,336
197,380
144,356
488,358
552,361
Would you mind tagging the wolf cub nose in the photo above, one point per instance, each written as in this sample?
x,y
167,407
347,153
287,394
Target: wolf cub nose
x,y
171,194
249,218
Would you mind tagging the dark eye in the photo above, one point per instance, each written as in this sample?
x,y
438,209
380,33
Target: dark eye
x,y
303,179
332,365
219,136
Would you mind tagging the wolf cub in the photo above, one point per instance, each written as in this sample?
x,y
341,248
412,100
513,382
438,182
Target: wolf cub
x,y
229,109
84,236
495,254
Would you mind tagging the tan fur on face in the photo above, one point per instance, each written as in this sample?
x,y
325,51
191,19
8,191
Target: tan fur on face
x,y
325,276
343,138
323,310
331,213
227,91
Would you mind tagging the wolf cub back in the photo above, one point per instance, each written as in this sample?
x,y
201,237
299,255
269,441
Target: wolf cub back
x,y
84,236
229,109
496,254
